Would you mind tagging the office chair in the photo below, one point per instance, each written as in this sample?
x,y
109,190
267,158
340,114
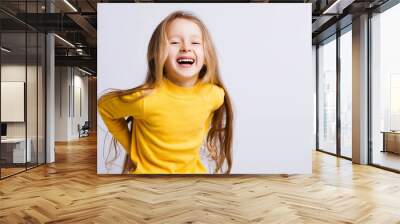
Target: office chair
x,y
84,130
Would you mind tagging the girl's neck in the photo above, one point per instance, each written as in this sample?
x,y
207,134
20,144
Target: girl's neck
x,y
183,82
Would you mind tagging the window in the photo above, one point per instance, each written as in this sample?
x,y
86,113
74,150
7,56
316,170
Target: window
x,y
346,93
385,89
327,96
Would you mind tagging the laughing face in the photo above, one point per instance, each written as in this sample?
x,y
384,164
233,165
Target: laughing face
x,y
185,52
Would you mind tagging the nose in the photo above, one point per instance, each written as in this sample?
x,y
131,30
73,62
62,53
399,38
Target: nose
x,y
185,47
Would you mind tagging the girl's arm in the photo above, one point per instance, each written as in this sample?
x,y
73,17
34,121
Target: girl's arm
x,y
114,109
217,97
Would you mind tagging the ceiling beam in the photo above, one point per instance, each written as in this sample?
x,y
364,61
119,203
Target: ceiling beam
x,y
84,61
86,26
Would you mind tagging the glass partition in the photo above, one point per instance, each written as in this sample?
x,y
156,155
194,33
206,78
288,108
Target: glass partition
x,y
13,94
22,77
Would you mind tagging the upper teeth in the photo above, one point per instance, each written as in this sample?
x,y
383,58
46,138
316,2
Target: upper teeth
x,y
185,60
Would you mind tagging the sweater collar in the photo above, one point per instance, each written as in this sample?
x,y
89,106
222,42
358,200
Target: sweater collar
x,y
180,91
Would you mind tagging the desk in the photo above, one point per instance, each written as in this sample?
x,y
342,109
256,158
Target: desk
x,y
391,141
13,150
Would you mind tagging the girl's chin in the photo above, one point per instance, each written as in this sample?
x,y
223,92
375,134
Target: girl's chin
x,y
187,74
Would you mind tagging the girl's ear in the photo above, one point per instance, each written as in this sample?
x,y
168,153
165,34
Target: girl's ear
x,y
203,71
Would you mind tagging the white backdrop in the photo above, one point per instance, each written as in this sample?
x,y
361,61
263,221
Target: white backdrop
x,y
264,52
12,100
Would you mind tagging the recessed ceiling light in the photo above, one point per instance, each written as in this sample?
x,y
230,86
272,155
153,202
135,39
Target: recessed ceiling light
x,y
64,40
70,5
337,7
5,50
84,71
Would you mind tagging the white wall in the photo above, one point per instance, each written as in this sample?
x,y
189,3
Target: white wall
x,y
70,82
314,73
265,55
80,109
61,103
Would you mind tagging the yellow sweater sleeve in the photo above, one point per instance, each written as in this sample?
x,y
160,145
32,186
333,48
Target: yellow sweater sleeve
x,y
217,97
115,109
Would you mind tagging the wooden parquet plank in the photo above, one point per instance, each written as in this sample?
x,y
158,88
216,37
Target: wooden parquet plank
x,y
70,191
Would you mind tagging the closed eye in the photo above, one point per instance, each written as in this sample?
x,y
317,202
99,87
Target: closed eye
x,y
196,43
174,42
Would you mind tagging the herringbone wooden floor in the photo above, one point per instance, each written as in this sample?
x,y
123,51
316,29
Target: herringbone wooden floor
x,y
70,191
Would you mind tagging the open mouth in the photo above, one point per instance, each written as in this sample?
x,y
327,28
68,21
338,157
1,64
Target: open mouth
x,y
185,61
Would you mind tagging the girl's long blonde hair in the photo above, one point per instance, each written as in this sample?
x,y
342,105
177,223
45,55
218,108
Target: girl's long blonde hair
x,y
219,137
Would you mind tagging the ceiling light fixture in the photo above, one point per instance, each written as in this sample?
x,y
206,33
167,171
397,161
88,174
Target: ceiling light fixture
x,y
84,71
5,50
329,9
70,5
79,51
337,7
64,40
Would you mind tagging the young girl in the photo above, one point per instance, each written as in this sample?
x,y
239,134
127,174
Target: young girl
x,y
181,102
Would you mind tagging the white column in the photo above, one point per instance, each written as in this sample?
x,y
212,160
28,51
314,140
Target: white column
x,y
360,90
50,93
50,100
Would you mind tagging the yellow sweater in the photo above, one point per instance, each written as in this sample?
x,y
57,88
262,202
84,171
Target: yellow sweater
x,y
170,126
